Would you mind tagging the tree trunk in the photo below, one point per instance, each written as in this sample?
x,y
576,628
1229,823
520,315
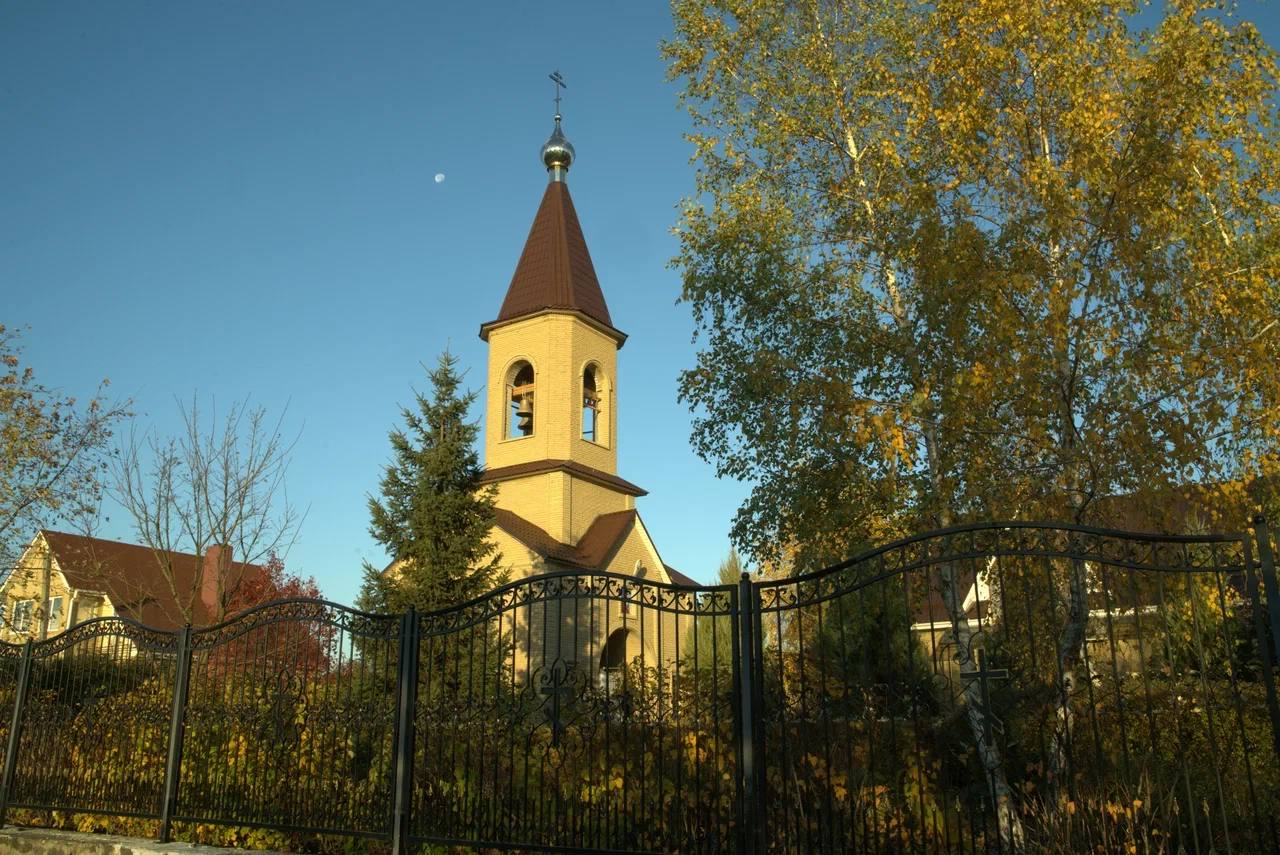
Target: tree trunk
x,y
1008,822
1007,819
1069,646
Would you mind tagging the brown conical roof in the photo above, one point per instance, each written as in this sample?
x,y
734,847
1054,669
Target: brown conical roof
x,y
555,270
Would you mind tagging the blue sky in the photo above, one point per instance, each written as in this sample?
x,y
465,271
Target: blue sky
x,y
237,200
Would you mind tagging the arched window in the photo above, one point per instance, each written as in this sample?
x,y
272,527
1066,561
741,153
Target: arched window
x,y
626,589
594,426
520,395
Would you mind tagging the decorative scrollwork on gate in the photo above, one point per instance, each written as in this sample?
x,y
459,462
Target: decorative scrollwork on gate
x,y
602,587
139,636
338,617
989,541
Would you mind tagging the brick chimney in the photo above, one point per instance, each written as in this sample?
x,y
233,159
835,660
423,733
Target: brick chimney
x,y
215,566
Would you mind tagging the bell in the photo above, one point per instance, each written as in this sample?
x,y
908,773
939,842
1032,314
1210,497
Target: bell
x,y
524,415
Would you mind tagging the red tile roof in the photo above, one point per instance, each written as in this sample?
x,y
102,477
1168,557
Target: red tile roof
x,y
592,550
132,577
538,467
555,270
605,533
677,577
534,537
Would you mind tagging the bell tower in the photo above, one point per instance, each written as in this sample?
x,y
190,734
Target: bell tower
x,y
551,426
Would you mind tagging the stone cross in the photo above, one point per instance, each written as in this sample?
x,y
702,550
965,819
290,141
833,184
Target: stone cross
x,y
985,675
557,689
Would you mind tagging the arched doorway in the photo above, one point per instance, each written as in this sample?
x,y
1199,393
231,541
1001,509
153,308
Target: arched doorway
x,y
619,650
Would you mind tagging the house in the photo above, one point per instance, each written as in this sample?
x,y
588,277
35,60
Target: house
x,y
62,579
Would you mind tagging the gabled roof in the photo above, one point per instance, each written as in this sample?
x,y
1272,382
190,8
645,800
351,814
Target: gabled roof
x,y
678,578
592,550
132,577
604,534
555,270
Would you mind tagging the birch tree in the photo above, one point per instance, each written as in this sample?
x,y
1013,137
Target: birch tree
x,y
967,260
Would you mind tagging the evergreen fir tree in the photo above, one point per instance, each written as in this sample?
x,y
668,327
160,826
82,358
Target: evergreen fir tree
x,y
433,515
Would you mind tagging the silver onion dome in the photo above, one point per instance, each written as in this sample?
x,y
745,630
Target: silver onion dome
x,y
557,153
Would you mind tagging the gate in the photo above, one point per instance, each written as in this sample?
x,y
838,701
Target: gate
x,y
1022,687
580,710
996,687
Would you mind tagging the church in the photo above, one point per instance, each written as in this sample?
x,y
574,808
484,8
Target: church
x,y
552,416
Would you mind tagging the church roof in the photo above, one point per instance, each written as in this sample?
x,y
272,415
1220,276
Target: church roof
x,y
587,473
679,578
555,270
593,549
591,552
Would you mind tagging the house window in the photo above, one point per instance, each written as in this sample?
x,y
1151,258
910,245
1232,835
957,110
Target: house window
x,y
55,612
520,397
22,615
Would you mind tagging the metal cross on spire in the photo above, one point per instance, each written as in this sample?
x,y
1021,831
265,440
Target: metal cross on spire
x,y
558,80
557,153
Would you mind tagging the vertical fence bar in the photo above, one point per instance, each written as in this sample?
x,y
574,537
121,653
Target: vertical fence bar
x,y
1267,560
407,681
177,732
15,728
1270,656
749,807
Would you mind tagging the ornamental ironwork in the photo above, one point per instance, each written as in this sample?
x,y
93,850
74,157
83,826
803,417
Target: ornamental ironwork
x,y
1008,686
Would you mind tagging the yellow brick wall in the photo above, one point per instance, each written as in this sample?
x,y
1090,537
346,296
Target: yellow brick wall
x,y
516,559
540,499
561,504
658,629
577,629
559,346
588,501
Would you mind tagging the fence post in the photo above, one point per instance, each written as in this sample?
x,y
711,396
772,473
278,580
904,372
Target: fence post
x,y
1266,558
407,683
177,732
750,807
15,730
1270,657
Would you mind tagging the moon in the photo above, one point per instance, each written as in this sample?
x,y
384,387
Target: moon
x,y
439,177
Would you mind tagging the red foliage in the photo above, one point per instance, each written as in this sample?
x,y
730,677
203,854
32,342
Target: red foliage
x,y
273,583
297,641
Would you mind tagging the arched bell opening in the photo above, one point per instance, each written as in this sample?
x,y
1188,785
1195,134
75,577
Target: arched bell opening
x,y
595,400
520,397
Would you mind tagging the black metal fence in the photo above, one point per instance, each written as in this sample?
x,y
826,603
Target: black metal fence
x,y
997,687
